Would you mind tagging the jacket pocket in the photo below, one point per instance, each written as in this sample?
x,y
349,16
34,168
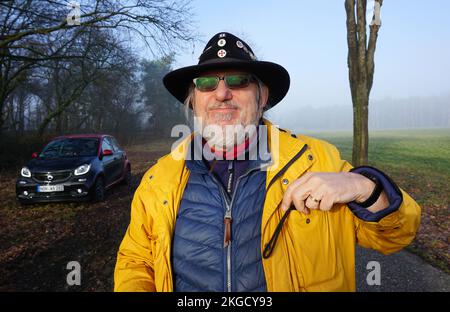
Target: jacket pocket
x,y
315,250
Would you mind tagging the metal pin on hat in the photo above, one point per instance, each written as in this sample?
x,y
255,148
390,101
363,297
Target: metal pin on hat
x,y
221,53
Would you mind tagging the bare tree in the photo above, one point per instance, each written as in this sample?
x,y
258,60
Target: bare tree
x,y
68,78
33,32
361,67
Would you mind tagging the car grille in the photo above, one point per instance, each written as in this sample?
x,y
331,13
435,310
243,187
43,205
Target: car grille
x,y
55,176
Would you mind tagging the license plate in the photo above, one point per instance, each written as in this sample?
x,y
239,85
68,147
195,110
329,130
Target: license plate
x,y
50,188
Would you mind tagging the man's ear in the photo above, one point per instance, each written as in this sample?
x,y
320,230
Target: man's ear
x,y
264,96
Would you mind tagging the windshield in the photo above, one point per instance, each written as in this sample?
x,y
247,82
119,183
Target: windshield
x,y
70,148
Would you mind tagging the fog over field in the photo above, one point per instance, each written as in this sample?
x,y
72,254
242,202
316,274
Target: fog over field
x,y
387,113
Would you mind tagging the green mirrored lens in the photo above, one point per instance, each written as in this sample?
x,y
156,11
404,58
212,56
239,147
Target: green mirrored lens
x,y
232,81
237,81
206,83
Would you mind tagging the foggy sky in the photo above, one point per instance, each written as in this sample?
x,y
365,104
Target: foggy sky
x,y
308,38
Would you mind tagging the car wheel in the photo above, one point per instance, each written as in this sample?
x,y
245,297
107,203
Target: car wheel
x,y
127,178
98,191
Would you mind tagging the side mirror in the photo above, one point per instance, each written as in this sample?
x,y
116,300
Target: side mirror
x,y
34,155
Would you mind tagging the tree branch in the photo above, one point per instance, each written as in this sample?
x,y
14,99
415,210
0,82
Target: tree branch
x,y
352,42
362,40
371,52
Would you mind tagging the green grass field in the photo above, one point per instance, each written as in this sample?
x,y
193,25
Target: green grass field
x,y
419,162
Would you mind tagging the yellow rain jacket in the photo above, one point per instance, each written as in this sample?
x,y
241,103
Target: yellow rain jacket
x,y
312,253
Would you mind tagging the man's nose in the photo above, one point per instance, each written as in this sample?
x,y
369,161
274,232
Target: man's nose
x,y
223,93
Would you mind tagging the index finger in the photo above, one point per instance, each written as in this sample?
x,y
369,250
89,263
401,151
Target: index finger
x,y
287,197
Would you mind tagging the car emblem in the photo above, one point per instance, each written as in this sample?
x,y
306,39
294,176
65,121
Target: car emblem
x,y
49,177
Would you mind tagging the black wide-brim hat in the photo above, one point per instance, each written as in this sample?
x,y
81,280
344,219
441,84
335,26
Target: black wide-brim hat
x,y
226,51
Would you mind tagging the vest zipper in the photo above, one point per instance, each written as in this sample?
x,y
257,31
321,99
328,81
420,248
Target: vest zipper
x,y
230,176
227,219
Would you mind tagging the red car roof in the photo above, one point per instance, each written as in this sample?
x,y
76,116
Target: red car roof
x,y
77,136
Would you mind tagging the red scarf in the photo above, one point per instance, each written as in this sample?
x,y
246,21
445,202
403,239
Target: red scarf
x,y
234,152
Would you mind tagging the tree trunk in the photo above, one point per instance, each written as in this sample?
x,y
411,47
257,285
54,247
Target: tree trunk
x,y
21,111
361,67
360,130
4,94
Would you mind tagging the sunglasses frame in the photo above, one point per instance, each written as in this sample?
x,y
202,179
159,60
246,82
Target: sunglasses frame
x,y
250,79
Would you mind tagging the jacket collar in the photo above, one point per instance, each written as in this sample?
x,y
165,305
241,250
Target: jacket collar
x,y
284,146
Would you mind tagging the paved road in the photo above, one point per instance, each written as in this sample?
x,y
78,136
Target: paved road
x,y
401,271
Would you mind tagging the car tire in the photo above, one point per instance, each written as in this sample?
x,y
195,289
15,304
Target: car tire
x,y
127,178
98,191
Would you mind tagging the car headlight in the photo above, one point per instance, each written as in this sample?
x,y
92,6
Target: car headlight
x,y
25,172
83,169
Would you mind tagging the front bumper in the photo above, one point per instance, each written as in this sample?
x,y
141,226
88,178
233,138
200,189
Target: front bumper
x,y
74,190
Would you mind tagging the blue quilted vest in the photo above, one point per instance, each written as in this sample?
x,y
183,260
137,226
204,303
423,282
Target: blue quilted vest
x,y
200,258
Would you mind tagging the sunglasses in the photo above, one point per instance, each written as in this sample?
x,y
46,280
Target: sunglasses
x,y
232,81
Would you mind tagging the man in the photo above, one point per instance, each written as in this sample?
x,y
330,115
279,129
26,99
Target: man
x,y
286,219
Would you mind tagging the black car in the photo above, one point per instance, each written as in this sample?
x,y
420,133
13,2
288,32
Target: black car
x,y
73,167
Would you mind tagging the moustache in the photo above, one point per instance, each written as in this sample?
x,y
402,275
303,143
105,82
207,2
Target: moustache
x,y
228,105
